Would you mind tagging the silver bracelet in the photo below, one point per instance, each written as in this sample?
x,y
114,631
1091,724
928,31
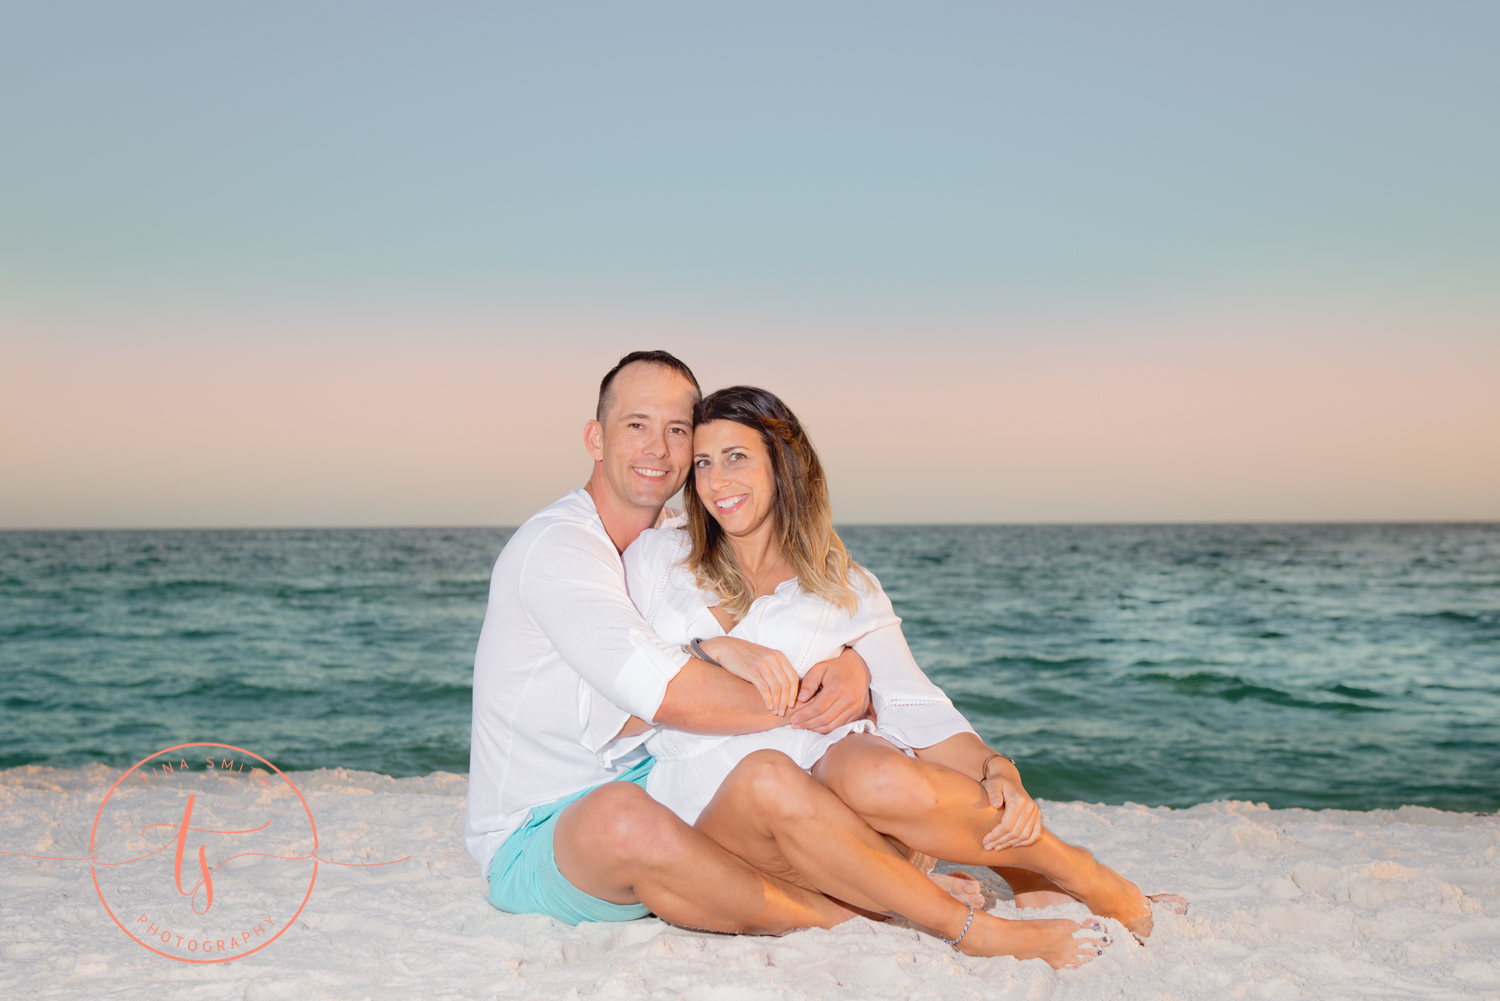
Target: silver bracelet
x,y
984,769
696,649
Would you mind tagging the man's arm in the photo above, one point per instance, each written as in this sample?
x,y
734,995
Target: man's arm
x,y
709,700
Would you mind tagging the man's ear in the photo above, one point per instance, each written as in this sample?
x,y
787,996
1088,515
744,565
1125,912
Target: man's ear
x,y
593,439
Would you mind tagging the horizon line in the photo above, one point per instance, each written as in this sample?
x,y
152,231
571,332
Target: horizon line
x,y
1207,523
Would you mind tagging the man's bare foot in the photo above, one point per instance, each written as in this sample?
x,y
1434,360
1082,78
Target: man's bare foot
x,y
1052,941
965,888
1171,901
1032,899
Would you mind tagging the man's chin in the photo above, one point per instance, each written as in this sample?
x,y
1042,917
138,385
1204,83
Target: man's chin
x,y
650,495
652,499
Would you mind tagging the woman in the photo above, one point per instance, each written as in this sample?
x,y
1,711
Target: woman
x,y
759,560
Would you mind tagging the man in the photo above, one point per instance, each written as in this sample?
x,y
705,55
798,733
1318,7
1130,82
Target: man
x,y
558,818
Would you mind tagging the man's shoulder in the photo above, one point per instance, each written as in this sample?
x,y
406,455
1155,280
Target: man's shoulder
x,y
570,521
575,508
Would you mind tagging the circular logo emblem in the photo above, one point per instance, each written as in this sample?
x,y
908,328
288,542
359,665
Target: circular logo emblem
x,y
204,853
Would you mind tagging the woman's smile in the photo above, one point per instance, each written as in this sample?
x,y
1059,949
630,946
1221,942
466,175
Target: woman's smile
x,y
728,505
733,476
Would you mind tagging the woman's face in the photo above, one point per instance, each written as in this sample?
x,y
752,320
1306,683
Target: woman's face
x,y
733,476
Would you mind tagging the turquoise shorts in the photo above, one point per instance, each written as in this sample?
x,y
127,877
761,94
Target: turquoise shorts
x,y
524,877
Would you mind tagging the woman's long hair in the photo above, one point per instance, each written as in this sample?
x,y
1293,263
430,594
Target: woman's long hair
x,y
803,516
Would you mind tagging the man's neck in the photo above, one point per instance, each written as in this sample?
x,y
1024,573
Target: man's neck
x,y
623,522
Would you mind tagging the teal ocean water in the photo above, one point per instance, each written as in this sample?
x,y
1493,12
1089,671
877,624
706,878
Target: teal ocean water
x,y
1353,666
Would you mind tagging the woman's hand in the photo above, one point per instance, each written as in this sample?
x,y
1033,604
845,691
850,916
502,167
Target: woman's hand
x,y
768,670
1020,818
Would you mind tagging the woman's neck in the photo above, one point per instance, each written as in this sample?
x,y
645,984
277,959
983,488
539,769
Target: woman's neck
x,y
757,552
761,562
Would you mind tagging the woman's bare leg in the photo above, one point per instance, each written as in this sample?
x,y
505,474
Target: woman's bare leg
x,y
941,812
780,820
620,845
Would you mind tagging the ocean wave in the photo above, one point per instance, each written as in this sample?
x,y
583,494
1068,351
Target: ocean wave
x,y
1232,688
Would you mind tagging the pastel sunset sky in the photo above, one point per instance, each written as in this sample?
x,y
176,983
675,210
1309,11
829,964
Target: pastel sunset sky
x,y
364,263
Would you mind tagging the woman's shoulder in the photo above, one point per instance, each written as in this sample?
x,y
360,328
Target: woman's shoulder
x,y
864,584
870,596
657,548
652,562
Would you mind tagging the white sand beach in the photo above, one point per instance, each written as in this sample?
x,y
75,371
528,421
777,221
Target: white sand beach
x,y
1284,904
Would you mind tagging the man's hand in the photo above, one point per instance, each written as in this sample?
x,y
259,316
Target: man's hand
x,y
768,670
1020,818
834,692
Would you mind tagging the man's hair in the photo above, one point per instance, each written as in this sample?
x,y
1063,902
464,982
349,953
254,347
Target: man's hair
x,y
661,358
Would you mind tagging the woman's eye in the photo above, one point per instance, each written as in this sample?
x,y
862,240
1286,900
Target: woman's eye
x,y
701,463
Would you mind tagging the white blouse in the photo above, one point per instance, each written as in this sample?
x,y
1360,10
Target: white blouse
x,y
911,711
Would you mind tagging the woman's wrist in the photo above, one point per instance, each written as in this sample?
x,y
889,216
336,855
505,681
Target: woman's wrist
x,y
984,769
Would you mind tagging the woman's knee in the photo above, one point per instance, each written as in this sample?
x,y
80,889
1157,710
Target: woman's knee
x,y
774,784
886,782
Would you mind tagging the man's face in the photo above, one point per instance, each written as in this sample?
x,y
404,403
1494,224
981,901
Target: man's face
x,y
645,441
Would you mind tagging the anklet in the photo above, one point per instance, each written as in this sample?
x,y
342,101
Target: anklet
x,y
961,934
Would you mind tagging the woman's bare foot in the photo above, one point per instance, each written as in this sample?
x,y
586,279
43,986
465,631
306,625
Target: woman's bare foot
x,y
1052,941
965,888
1110,895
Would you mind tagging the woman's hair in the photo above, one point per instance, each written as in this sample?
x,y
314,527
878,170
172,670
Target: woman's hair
x,y
804,518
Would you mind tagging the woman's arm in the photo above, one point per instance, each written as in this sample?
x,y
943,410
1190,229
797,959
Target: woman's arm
x,y
1020,818
918,713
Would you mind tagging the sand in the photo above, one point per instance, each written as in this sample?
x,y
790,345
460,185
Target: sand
x,y
1284,904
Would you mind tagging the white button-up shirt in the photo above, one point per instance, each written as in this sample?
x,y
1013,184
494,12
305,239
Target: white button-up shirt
x,y
564,660
911,711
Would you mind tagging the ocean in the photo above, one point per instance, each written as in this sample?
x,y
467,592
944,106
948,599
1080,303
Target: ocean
x,y
1349,666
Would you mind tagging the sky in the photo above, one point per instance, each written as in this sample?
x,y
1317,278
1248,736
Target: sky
x,y
364,264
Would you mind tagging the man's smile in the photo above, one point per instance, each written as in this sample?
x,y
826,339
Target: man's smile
x,y
652,474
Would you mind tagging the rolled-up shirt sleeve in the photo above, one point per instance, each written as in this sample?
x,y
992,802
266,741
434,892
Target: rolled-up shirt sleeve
x,y
907,703
573,588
